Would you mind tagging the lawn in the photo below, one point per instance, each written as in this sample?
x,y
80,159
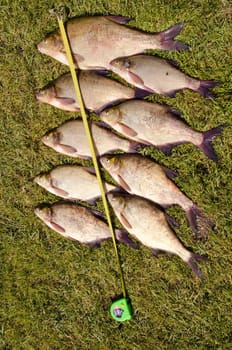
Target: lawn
x,y
55,293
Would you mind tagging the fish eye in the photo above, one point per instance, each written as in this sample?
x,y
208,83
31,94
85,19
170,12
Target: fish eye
x,y
127,64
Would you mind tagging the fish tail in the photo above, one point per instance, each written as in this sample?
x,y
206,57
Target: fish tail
x,y
204,87
199,222
167,37
208,137
135,146
191,262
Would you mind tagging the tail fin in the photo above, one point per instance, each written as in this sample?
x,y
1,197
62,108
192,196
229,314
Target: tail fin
x,y
199,222
193,266
206,146
167,36
204,87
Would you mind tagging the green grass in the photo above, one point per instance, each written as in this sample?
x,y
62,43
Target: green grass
x,y
55,294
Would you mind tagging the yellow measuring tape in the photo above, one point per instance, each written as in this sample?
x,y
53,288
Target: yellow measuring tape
x,y
91,145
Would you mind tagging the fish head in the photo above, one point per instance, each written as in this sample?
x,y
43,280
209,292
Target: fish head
x,y
53,46
111,116
43,180
111,163
45,214
117,201
51,139
46,95
121,64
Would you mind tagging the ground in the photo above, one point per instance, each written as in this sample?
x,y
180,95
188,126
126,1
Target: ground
x,y
56,293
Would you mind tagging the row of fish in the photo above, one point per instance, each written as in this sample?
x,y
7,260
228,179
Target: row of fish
x,y
100,44
136,175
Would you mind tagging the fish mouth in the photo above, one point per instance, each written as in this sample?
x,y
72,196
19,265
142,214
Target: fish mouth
x,y
39,96
41,48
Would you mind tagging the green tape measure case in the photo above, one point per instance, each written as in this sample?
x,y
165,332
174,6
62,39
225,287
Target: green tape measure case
x,y
121,310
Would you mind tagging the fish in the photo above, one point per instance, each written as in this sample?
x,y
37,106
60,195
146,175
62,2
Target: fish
x,y
97,90
79,223
158,75
143,177
72,182
70,139
148,224
95,41
158,125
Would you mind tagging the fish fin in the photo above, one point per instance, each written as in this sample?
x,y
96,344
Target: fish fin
x,y
122,236
66,100
123,184
57,227
124,221
204,87
100,71
192,264
139,93
97,213
172,62
78,58
119,19
174,111
127,130
199,222
94,244
167,37
172,221
156,252
60,192
206,146
90,170
134,146
68,149
166,149
169,173
92,201
171,93
137,81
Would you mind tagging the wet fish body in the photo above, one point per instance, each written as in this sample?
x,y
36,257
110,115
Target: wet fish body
x,y
78,223
72,182
95,41
97,91
141,176
158,125
70,139
153,230
157,75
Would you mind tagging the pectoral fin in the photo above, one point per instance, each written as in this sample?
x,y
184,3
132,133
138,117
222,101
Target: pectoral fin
x,y
68,149
136,80
60,192
57,227
127,130
123,184
124,221
66,100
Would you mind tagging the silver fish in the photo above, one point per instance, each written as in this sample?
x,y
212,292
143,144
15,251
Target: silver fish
x,y
144,220
158,125
78,223
95,41
155,74
97,91
143,177
73,183
70,139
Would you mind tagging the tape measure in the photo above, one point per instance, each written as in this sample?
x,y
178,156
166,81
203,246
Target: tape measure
x,y
120,309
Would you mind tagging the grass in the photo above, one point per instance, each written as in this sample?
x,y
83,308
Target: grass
x,y
55,294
